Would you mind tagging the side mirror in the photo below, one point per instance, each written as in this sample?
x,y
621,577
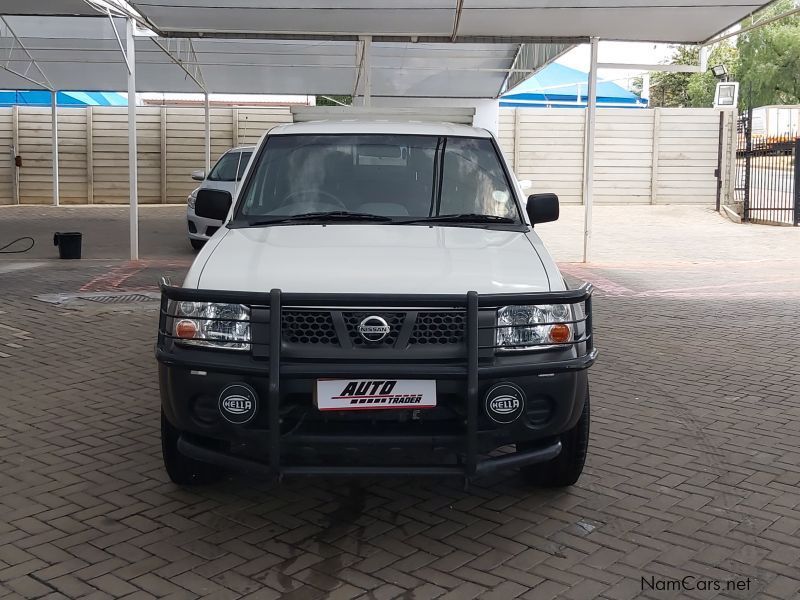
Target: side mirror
x,y
542,208
213,204
525,184
199,175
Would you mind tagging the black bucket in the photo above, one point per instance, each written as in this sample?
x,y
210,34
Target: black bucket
x,y
69,244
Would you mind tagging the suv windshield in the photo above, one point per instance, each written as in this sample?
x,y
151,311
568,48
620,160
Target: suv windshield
x,y
226,166
402,177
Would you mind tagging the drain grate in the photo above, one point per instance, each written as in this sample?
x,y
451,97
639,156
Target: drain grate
x,y
119,298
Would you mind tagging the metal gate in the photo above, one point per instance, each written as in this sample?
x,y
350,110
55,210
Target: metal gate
x,y
767,175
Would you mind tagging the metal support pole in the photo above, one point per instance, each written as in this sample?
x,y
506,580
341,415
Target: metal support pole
x,y
748,162
366,40
132,166
588,155
796,190
646,87
54,130
208,133
718,170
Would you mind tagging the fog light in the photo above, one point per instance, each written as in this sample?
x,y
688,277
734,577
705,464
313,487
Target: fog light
x,y
238,403
504,402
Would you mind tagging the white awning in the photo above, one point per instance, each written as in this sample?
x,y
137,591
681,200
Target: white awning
x,y
77,53
50,8
513,21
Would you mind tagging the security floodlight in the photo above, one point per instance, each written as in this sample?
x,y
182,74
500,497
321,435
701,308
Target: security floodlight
x,y
727,94
719,71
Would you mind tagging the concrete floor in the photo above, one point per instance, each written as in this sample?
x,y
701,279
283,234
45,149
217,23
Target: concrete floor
x,y
693,468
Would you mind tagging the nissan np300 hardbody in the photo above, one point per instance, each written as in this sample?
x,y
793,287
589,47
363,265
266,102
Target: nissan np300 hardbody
x,y
377,302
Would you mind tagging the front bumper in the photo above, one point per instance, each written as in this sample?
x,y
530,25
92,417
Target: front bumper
x,y
290,436
200,228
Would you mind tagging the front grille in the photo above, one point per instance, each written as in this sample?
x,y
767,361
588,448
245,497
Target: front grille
x,y
439,328
352,320
424,328
309,327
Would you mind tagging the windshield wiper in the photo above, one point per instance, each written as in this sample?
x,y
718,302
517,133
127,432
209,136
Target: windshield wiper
x,y
334,215
461,218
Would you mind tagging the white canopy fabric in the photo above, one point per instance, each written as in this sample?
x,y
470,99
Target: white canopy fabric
x,y
677,21
423,48
77,53
50,8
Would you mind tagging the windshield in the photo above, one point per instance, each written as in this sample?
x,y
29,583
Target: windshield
x,y
226,166
398,176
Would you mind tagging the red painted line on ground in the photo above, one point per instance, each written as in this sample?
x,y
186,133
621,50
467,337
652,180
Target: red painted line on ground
x,y
598,281
723,285
114,278
690,295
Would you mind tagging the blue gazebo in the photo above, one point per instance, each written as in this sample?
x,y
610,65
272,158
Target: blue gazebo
x,y
557,86
44,98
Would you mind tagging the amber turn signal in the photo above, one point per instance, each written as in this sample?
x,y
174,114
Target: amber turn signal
x,y
186,329
560,333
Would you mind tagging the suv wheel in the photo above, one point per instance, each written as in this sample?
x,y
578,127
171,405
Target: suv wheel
x,y
566,468
182,469
197,244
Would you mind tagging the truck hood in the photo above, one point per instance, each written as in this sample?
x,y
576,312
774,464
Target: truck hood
x,y
369,258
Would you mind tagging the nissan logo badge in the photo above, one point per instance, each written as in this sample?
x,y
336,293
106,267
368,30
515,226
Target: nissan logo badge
x,y
373,329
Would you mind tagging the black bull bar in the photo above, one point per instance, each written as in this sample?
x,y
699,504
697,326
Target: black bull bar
x,y
266,341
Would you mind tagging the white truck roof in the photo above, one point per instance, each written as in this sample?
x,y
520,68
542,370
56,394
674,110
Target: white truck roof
x,y
360,126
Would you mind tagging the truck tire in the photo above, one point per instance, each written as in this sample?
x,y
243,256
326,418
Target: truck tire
x,y
197,244
566,468
181,469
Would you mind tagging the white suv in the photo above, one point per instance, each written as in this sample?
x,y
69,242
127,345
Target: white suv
x,y
224,175
377,302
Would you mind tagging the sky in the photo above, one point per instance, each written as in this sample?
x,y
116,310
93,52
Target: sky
x,y
618,52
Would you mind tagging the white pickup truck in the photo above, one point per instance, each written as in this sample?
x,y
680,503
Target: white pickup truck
x,y
377,302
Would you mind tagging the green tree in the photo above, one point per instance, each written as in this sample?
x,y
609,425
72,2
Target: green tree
x,y
769,58
702,86
691,89
670,89
334,100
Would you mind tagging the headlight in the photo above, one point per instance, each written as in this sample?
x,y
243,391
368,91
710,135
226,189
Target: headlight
x,y
192,199
212,325
520,327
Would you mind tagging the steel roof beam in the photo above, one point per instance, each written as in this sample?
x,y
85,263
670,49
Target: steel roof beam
x,y
31,61
195,74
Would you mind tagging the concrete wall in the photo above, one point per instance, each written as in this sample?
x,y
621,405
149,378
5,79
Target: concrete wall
x,y
660,156
641,156
93,150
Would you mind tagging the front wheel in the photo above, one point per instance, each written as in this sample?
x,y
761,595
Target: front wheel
x,y
182,469
566,468
197,244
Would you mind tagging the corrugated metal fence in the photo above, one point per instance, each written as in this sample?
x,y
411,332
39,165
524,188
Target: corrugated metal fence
x,y
642,156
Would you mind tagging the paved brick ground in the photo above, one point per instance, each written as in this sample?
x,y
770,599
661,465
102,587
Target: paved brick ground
x,y
694,467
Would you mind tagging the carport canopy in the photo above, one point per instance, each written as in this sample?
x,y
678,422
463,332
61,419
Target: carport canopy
x,y
425,48
421,48
675,21
79,54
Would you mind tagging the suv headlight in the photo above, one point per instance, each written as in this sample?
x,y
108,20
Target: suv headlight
x,y
212,325
536,327
192,199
